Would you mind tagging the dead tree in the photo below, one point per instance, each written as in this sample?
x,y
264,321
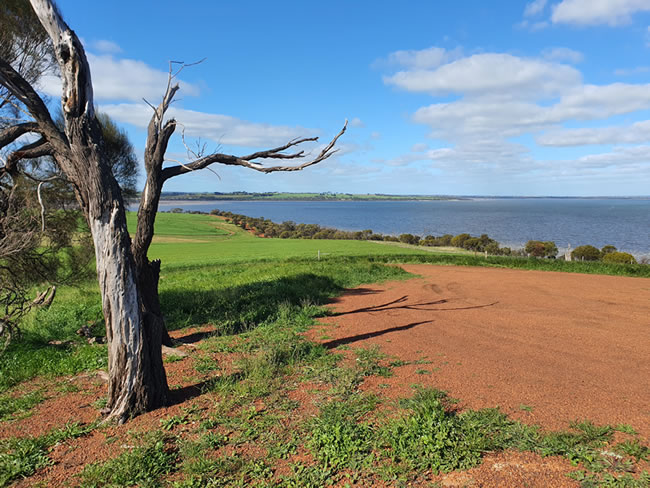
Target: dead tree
x,y
128,281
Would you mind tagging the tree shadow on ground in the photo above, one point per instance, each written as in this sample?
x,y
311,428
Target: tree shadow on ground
x,y
240,308
369,335
397,304
178,396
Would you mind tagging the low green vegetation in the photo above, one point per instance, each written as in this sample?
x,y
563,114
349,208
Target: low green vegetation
x,y
21,457
272,408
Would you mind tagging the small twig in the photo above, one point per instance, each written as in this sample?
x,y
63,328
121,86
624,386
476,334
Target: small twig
x,y
40,201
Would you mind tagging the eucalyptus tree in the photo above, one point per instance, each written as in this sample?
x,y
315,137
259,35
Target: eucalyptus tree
x,y
128,280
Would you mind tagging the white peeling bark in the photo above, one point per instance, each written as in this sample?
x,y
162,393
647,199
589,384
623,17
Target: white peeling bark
x,y
117,283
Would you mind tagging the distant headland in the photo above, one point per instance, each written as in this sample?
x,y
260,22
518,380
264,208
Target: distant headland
x,y
332,197
282,196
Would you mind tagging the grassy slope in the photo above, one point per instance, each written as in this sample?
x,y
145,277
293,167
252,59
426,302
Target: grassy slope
x,y
199,240
209,277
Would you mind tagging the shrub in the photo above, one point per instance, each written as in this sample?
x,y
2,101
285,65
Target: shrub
x,y
585,253
459,240
409,239
539,249
619,257
608,249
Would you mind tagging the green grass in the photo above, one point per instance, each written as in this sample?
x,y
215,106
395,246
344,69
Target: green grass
x,y
195,240
260,307
142,466
185,225
16,406
21,457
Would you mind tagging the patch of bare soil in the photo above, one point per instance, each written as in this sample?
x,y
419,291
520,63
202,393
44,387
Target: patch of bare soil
x,y
547,348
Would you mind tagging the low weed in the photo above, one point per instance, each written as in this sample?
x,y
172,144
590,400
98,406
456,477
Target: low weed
x,y
369,362
633,449
143,466
12,407
338,437
21,457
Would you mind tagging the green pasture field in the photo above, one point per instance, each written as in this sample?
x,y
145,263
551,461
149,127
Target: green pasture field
x,y
199,240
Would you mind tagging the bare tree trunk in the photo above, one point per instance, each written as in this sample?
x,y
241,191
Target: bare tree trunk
x,y
128,281
137,380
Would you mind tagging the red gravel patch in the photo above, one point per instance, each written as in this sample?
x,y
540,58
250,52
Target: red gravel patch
x,y
547,348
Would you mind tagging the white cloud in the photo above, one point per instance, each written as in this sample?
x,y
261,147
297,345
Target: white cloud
x,y
122,79
221,129
500,97
632,71
357,122
639,132
420,147
597,12
402,160
534,8
562,54
106,47
422,59
490,74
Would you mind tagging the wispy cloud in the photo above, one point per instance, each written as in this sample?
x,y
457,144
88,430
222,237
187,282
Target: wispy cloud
x,y
534,8
218,128
421,59
563,54
106,47
122,79
597,12
501,98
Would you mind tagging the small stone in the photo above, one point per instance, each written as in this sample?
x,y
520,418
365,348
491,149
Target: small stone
x,y
172,351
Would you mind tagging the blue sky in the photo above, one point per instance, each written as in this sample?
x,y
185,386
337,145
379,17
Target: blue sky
x,y
460,98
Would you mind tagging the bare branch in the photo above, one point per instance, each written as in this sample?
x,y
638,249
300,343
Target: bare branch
x,y
33,150
247,162
10,134
276,152
40,201
23,91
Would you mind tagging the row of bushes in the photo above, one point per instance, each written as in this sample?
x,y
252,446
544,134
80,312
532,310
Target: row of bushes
x,y
608,254
290,230
484,244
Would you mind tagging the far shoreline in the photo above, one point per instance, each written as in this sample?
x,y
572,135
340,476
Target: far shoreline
x,y
195,198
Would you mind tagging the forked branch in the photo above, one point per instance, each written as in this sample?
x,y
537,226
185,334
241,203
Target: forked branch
x,y
249,160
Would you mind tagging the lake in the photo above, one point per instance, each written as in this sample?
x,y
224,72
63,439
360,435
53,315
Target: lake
x,y
624,223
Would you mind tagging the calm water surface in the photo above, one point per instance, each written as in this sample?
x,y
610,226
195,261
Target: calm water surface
x,y
624,223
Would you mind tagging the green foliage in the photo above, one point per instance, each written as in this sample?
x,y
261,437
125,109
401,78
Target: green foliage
x,y
338,438
142,466
539,249
460,239
34,354
586,253
619,257
433,437
634,449
369,362
607,249
21,457
120,154
409,239
608,480
12,405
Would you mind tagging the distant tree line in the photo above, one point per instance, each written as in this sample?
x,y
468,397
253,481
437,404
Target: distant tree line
x,y
290,230
262,227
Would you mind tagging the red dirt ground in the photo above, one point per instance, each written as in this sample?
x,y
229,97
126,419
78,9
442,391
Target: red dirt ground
x,y
547,348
